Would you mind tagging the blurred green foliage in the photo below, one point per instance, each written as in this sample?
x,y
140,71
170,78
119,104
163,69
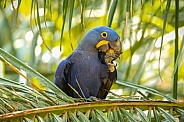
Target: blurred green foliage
x,y
29,30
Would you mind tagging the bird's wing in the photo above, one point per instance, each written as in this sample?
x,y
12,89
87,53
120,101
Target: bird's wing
x,y
62,76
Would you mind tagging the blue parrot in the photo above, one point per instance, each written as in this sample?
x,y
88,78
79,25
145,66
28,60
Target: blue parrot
x,y
89,71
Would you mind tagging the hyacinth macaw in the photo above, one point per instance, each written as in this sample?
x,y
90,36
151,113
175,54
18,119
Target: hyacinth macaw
x,y
89,71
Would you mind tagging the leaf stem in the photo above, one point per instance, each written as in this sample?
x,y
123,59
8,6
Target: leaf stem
x,y
176,50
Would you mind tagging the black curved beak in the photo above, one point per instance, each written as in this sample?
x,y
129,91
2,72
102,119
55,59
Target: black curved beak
x,y
116,46
113,46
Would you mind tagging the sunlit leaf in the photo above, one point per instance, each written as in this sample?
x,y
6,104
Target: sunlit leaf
x,y
56,118
73,117
156,115
149,90
128,115
112,12
167,116
101,116
142,115
82,117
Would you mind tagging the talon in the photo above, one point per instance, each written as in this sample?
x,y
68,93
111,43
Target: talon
x,y
111,67
94,98
111,64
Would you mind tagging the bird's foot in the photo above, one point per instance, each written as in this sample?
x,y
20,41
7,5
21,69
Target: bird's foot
x,y
111,67
92,98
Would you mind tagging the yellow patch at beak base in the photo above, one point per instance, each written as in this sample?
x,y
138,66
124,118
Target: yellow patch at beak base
x,y
102,42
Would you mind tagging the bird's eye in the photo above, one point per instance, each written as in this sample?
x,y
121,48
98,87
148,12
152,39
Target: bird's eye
x,y
104,34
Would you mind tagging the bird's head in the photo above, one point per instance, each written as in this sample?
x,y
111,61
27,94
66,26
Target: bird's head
x,y
102,38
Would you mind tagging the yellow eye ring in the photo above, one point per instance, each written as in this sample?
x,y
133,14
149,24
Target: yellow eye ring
x,y
104,34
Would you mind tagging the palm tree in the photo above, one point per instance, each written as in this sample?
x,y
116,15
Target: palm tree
x,y
36,35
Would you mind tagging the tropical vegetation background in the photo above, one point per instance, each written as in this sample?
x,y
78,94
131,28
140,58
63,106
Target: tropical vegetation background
x,y
35,35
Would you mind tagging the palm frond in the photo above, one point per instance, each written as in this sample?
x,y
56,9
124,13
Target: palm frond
x,y
6,57
104,111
